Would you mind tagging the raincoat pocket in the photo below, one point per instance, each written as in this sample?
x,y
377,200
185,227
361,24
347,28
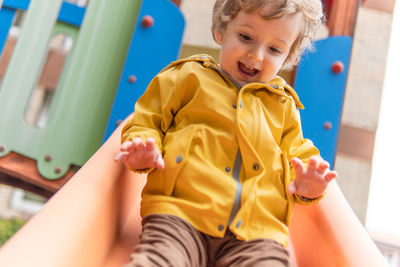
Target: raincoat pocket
x,y
176,148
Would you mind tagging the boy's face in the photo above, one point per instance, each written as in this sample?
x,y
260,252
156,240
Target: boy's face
x,y
254,49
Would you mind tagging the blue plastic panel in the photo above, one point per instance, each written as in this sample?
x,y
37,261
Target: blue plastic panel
x,y
151,49
69,13
16,4
6,18
322,92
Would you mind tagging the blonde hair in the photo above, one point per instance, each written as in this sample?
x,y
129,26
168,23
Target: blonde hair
x,y
226,10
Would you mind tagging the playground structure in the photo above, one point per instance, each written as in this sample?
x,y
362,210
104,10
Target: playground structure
x,y
100,201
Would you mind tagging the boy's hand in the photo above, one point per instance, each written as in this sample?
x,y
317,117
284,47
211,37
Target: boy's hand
x,y
312,181
138,155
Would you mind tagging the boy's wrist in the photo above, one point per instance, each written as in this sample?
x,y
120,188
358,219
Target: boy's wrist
x,y
307,200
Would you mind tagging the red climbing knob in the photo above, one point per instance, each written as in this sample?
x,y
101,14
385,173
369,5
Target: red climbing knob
x,y
147,21
132,78
337,67
328,125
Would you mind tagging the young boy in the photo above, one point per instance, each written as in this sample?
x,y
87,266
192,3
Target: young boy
x,y
223,146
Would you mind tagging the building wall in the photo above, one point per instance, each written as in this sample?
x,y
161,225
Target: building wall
x,y
361,106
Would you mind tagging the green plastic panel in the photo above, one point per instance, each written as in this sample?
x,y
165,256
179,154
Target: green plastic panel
x,y
85,92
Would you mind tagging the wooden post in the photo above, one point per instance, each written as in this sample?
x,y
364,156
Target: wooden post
x,y
342,17
177,2
20,171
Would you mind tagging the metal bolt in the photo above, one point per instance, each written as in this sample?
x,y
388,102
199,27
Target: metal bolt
x,y
256,166
58,170
328,125
147,21
48,158
337,67
132,78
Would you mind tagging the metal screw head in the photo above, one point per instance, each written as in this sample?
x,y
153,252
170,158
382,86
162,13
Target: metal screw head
x,y
147,21
179,159
48,158
58,170
256,166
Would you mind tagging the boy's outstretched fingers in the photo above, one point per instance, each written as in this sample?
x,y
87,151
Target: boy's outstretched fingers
x,y
121,156
330,176
292,188
137,144
312,163
126,145
160,163
323,166
298,165
150,144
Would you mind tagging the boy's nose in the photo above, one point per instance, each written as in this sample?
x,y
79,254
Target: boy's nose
x,y
256,54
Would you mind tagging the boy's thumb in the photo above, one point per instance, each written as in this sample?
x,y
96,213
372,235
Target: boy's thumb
x,y
292,188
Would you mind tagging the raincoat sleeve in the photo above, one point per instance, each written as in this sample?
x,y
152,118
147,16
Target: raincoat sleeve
x,y
293,144
155,109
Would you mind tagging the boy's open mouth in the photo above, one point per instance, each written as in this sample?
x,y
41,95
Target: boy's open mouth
x,y
247,69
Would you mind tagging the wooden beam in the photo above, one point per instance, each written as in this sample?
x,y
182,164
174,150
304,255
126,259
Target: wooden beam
x,y
17,183
177,2
20,171
342,17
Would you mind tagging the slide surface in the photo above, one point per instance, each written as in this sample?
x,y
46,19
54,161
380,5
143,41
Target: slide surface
x,y
94,221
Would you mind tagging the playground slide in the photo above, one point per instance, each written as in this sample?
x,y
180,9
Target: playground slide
x,y
94,221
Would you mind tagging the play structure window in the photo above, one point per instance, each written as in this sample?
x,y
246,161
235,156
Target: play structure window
x,y
38,108
78,2
11,41
25,202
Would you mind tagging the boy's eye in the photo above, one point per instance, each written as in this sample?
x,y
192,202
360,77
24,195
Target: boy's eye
x,y
245,37
274,50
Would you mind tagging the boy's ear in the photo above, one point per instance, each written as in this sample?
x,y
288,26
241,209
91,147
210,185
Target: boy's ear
x,y
217,37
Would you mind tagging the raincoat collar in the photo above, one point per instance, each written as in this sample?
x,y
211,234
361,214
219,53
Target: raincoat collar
x,y
277,85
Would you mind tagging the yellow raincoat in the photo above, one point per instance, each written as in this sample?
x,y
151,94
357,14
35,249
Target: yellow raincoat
x,y
226,149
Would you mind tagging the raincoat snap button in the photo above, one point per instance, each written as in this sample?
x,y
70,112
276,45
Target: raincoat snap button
x,y
239,223
274,86
179,159
227,169
234,106
221,227
256,166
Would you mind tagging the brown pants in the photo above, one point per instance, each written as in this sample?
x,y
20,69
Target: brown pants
x,y
167,240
